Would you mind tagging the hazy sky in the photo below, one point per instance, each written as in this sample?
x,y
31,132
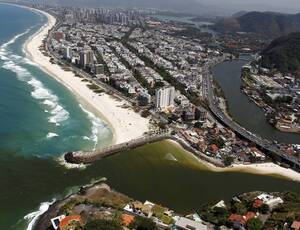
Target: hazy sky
x,y
220,7
292,6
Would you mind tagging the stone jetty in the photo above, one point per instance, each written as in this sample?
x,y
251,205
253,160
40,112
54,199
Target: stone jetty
x,y
81,157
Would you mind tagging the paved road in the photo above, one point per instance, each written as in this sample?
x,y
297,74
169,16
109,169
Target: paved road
x,y
208,94
265,144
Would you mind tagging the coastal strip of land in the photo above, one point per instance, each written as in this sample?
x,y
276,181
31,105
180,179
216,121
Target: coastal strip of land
x,y
269,168
126,124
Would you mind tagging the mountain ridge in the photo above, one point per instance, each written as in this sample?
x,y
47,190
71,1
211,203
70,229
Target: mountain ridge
x,y
268,24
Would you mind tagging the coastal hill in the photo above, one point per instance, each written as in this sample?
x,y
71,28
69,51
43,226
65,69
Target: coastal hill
x,y
268,24
98,207
283,53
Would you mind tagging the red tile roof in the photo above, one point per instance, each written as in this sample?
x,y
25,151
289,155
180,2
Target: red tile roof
x,y
214,148
296,225
236,218
257,203
67,220
127,219
249,216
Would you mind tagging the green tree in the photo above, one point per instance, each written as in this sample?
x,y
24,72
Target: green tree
x,y
228,161
264,209
102,225
218,142
254,224
239,208
141,223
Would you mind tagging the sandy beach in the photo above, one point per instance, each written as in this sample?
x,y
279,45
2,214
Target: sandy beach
x,y
126,125
260,169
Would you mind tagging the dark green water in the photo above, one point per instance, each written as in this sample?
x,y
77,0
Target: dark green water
x,y
145,173
244,111
29,174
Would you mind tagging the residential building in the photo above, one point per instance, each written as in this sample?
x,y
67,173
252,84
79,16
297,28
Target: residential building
x,y
68,53
165,97
99,69
186,224
86,58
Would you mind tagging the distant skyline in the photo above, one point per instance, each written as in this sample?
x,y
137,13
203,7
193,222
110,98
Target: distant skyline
x,y
198,7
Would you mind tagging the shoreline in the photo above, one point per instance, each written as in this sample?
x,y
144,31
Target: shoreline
x,y
278,126
267,169
78,87
129,127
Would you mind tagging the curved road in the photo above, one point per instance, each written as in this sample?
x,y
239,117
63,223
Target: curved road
x,y
263,143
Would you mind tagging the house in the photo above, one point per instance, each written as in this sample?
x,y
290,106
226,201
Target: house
x,y
55,221
236,218
186,224
68,220
257,203
127,219
249,216
257,154
270,200
296,225
221,204
213,148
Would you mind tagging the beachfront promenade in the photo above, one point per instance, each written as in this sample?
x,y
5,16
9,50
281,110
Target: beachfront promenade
x,y
272,149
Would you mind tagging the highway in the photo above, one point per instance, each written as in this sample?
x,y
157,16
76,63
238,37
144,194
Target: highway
x,y
208,94
271,148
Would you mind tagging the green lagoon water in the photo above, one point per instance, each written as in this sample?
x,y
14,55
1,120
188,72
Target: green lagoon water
x,y
242,109
40,119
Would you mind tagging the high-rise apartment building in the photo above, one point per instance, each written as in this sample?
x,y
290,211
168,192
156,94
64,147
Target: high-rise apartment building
x,y
165,97
86,58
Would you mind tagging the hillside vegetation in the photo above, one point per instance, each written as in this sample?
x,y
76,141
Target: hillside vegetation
x,y
283,54
269,24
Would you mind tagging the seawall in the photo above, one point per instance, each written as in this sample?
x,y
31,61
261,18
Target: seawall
x,y
81,157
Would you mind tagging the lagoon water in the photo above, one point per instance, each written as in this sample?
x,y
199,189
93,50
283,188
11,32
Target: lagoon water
x,y
40,119
242,109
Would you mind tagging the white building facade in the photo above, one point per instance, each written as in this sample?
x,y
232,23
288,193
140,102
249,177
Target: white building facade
x,y
165,97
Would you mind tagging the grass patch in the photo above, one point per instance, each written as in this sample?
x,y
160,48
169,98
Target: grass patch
x,y
95,88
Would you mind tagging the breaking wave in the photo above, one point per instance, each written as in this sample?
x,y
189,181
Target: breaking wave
x,y
13,62
50,135
33,216
97,124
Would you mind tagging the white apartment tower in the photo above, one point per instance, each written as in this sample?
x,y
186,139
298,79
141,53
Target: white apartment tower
x,y
68,53
165,97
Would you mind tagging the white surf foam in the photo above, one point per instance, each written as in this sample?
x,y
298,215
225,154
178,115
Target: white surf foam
x,y
57,112
13,63
3,48
22,73
15,38
61,160
50,135
33,217
97,124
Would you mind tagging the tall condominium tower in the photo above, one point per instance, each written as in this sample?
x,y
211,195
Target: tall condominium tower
x,y
165,97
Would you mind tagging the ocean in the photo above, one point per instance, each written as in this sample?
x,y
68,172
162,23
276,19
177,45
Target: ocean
x,y
38,116
40,119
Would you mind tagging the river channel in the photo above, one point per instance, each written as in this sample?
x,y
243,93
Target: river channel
x,y
242,109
